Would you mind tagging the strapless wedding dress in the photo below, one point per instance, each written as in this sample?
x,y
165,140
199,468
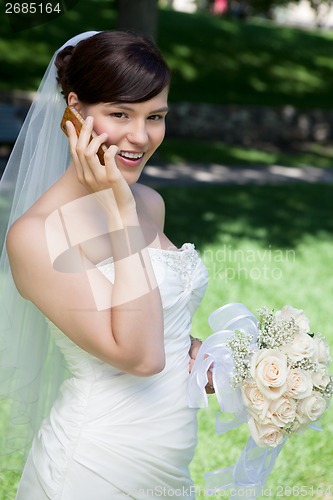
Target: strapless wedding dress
x,y
111,435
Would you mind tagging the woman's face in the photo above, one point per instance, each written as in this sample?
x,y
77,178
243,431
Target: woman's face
x,y
136,128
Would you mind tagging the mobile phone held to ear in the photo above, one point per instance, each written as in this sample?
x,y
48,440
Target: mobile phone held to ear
x,y
72,115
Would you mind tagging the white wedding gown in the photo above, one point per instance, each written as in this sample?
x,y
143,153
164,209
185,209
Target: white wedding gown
x,y
111,435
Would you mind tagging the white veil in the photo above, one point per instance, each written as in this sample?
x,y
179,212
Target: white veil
x,y
31,366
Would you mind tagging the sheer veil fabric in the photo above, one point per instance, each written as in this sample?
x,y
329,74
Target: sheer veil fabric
x,y
31,366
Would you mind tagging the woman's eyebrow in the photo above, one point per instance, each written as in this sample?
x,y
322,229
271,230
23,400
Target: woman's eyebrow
x,y
126,107
160,110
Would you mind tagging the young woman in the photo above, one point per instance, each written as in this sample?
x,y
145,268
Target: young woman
x,y
100,281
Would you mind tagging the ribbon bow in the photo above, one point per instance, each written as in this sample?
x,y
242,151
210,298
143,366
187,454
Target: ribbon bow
x,y
249,475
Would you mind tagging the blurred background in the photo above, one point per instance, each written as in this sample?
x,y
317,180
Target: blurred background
x,y
252,81
246,169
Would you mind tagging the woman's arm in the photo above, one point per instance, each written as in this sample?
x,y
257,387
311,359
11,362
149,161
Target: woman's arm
x,y
129,334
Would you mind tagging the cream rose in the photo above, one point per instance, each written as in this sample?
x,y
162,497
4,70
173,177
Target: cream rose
x,y
302,346
288,312
311,408
320,379
299,383
255,402
322,351
265,435
269,369
283,411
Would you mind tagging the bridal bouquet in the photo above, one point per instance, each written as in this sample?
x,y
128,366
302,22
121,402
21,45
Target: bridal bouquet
x,y
284,378
270,372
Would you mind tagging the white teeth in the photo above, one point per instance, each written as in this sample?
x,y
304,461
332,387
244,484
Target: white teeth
x,y
133,156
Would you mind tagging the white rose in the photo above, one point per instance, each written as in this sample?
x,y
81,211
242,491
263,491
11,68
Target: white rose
x,y
255,402
269,369
322,351
320,379
283,411
288,312
303,346
299,383
265,435
311,408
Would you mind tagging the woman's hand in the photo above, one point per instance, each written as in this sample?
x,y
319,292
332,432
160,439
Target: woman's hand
x,y
133,333
94,176
194,349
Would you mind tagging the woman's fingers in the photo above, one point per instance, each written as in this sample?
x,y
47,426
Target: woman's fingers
x,y
73,140
88,144
84,153
122,192
91,173
111,168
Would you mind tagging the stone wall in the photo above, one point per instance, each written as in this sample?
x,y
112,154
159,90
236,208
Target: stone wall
x,y
239,125
249,125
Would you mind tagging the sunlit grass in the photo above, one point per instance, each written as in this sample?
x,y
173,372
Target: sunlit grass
x,y
251,63
212,59
245,271
175,150
262,248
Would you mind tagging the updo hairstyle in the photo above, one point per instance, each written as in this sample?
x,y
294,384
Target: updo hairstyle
x,y
112,66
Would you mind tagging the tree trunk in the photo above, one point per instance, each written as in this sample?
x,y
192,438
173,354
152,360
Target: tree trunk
x,y
140,16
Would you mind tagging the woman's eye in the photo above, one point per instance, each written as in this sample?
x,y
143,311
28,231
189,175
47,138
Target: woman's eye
x,y
118,115
156,117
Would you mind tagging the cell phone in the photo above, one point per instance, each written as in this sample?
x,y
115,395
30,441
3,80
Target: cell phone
x,y
72,115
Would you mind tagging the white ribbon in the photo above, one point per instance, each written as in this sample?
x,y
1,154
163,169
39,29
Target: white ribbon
x,y
248,476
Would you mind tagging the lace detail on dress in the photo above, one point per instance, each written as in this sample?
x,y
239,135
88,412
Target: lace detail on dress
x,y
183,261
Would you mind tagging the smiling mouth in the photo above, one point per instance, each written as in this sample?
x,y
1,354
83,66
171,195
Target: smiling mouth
x,y
131,156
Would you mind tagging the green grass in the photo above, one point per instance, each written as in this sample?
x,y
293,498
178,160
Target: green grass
x,y
257,62
263,246
198,151
213,60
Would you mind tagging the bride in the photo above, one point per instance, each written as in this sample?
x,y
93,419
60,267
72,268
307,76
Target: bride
x,y
100,286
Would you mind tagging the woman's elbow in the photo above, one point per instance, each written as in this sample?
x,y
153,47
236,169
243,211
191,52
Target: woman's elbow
x,y
150,366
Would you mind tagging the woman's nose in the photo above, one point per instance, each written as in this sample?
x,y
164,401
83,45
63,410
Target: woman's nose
x,y
138,134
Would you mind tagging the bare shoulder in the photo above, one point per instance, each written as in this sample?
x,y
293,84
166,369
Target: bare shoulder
x,y
149,194
25,244
152,202
23,232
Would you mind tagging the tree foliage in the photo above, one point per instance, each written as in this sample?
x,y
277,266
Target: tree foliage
x,y
140,16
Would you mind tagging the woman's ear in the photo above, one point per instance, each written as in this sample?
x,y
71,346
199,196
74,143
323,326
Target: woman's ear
x,y
73,100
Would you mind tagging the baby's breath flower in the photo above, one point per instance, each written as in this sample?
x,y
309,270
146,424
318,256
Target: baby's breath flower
x,y
289,428
328,391
273,334
304,364
285,331
241,351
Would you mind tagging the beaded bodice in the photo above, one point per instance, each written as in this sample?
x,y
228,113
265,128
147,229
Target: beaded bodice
x,y
183,262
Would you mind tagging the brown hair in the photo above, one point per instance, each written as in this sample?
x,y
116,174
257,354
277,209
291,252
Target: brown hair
x,y
112,66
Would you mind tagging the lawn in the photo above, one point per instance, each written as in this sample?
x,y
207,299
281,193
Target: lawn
x,y
262,245
213,60
176,150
